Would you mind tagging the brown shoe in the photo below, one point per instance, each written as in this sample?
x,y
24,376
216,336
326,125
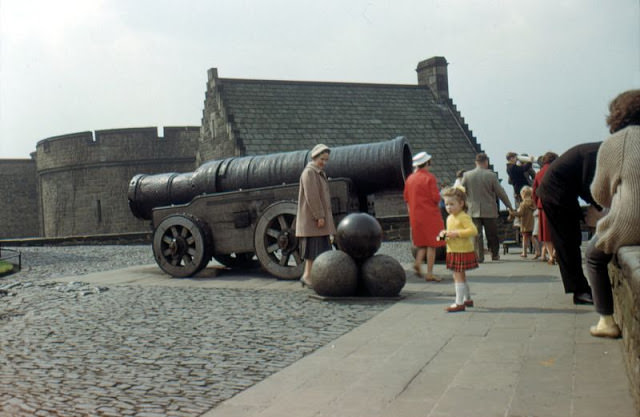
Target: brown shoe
x,y
416,268
468,303
431,277
454,308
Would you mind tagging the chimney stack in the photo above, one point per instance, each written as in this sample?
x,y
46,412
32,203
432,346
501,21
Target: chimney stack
x,y
432,72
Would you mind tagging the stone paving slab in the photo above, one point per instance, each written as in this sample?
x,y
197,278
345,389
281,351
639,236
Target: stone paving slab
x,y
523,351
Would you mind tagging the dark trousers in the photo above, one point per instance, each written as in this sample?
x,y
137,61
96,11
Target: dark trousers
x,y
598,273
564,224
491,230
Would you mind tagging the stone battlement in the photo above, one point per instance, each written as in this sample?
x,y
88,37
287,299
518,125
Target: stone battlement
x,y
131,145
83,177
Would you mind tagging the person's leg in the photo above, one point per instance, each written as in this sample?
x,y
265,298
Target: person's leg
x,y
420,254
431,260
552,252
468,301
598,274
525,244
305,279
493,242
564,225
310,249
479,241
536,247
459,280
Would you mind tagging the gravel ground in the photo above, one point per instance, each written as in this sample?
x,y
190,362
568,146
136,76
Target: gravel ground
x,y
76,349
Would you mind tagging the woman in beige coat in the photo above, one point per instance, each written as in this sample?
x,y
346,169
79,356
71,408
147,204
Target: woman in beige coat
x,y
314,220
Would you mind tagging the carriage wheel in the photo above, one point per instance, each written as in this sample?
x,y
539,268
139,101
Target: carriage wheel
x,y
275,241
182,245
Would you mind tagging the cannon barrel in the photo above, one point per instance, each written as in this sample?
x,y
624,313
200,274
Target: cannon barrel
x,y
372,167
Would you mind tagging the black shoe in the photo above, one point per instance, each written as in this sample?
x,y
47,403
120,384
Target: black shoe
x,y
305,284
495,257
582,298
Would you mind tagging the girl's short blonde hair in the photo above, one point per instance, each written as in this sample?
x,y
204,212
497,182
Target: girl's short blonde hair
x,y
526,192
457,193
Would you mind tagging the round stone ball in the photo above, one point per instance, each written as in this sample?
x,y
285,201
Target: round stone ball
x,y
359,235
383,276
334,274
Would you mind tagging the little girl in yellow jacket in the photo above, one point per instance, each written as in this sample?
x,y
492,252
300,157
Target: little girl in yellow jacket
x,y
460,252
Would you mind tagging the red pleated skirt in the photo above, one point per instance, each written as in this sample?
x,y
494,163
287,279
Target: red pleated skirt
x,y
461,261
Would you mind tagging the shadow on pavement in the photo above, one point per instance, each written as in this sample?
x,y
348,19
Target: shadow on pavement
x,y
513,279
530,310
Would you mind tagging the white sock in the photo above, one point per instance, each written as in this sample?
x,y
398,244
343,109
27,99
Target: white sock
x,y
460,293
467,291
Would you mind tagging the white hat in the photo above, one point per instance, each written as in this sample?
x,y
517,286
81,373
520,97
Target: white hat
x,y
421,158
318,149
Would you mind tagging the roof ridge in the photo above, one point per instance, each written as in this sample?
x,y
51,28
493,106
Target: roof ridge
x,y
320,83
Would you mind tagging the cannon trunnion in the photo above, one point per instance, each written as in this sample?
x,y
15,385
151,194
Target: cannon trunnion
x,y
242,211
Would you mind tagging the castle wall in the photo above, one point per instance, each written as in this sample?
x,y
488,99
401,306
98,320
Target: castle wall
x,y
84,177
19,214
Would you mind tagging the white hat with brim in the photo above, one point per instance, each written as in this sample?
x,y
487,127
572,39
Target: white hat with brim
x,y
421,159
319,149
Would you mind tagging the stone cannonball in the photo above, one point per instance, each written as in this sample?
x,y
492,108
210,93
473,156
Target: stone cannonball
x,y
359,235
383,276
334,274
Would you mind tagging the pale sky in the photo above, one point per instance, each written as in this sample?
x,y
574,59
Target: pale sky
x,y
527,75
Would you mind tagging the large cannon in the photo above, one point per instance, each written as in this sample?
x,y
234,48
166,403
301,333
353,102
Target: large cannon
x,y
236,208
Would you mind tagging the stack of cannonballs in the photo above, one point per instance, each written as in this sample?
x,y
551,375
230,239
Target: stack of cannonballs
x,y
354,269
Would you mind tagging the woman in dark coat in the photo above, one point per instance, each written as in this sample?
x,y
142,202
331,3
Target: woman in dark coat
x,y
567,179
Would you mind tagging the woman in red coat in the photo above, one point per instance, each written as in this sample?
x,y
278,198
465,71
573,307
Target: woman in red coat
x,y
423,198
544,234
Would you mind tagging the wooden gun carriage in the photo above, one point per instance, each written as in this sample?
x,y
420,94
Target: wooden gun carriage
x,y
236,208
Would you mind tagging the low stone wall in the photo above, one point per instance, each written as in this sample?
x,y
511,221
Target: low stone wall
x,y
397,227
625,280
104,239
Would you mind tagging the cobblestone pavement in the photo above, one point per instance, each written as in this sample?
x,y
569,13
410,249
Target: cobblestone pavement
x,y
77,349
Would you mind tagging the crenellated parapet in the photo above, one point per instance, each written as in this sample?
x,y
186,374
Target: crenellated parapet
x,y
83,177
137,146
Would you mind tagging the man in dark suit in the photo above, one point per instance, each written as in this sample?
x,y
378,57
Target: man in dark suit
x,y
483,190
567,179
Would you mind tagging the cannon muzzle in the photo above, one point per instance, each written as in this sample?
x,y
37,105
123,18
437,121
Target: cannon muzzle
x,y
372,167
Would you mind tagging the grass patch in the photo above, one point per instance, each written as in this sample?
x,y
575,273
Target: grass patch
x,y
5,267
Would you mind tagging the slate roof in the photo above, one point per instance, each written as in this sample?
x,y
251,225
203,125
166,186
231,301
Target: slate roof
x,y
277,116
